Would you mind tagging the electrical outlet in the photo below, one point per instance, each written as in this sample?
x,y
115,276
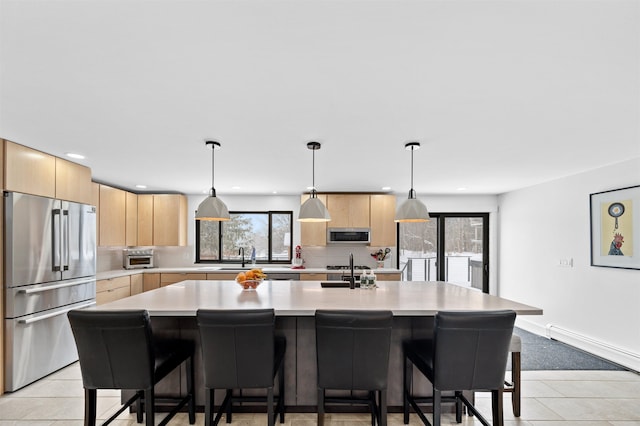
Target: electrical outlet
x,y
566,263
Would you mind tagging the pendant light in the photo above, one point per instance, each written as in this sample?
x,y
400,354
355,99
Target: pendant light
x,y
313,210
212,208
412,210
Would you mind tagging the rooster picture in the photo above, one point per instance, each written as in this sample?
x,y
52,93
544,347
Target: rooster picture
x,y
616,243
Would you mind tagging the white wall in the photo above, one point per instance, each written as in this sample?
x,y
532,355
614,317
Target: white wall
x,y
594,308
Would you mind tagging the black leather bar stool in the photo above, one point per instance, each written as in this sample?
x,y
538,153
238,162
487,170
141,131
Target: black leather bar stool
x,y
468,351
240,351
117,350
514,387
353,354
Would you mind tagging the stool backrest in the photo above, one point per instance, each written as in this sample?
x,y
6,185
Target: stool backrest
x,y
353,349
237,347
115,348
471,349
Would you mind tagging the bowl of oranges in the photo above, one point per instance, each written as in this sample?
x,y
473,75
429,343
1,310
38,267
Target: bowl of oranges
x,y
251,279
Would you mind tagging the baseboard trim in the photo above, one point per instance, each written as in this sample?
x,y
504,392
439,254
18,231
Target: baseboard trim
x,y
620,356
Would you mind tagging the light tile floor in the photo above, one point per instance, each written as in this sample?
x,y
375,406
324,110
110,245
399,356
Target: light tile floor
x,y
549,398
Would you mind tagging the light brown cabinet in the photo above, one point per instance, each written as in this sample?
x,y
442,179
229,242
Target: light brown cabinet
x,y
162,220
112,216
150,281
73,182
29,171
389,277
131,219
348,210
313,233
383,228
112,289
171,278
137,286
34,172
313,277
95,200
222,276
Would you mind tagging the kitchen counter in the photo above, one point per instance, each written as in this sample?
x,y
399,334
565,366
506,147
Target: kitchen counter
x,y
230,269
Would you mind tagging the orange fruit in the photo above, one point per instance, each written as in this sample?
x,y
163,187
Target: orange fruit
x,y
241,277
250,275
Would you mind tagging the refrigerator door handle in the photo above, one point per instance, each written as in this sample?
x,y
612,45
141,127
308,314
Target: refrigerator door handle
x,y
53,314
54,287
65,240
56,239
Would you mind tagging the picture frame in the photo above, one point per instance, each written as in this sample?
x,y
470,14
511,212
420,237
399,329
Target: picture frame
x,y
615,228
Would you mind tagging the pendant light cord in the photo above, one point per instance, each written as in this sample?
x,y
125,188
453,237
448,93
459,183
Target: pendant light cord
x,y
213,170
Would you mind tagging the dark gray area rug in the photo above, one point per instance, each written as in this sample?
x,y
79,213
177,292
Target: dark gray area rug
x,y
540,353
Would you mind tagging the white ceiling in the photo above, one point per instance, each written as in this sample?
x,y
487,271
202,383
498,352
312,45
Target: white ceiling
x,y
501,94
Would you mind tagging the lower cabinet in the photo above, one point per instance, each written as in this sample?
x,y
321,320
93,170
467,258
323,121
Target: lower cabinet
x,y
313,277
166,279
389,277
150,281
112,289
137,285
225,276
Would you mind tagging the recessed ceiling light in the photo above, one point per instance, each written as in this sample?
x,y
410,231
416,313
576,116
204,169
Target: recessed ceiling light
x,y
274,192
76,156
236,187
141,186
462,188
386,188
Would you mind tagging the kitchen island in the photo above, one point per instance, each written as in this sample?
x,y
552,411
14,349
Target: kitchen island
x,y
173,308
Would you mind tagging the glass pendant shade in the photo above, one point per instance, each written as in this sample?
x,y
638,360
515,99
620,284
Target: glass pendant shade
x,y
313,210
412,210
212,207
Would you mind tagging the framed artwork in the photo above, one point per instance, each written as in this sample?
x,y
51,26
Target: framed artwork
x,y
615,228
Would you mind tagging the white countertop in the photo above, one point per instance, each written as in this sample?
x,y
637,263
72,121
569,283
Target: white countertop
x,y
231,269
302,298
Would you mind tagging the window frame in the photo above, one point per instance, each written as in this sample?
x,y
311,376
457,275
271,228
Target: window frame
x,y
270,260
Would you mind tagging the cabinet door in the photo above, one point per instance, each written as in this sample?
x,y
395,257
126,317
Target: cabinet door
x,y
383,228
112,216
167,279
225,276
137,285
313,277
348,210
389,277
313,233
131,219
145,220
150,281
29,171
73,182
95,200
169,220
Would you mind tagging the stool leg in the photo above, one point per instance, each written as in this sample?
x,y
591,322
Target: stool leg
x,y
191,391
437,409
383,407
281,392
149,402
270,413
320,407
90,407
517,383
139,412
208,403
407,377
496,407
230,405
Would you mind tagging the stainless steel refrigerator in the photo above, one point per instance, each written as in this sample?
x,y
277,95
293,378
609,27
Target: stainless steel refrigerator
x,y
50,268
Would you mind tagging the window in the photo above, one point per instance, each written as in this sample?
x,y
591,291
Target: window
x,y
451,247
268,233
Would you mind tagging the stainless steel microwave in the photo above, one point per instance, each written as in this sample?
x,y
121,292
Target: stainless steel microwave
x,y
137,258
349,235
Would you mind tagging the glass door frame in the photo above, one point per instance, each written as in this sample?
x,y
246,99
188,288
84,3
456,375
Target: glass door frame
x,y
440,219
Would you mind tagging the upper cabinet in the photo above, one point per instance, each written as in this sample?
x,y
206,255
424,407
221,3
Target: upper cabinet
x,y
73,181
313,233
162,220
383,228
131,219
348,210
112,214
33,172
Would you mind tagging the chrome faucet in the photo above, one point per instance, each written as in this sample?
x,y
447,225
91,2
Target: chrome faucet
x,y
241,252
352,279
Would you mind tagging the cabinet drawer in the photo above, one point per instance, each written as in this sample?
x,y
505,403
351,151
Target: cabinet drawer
x,y
388,277
112,295
221,277
313,277
166,279
112,283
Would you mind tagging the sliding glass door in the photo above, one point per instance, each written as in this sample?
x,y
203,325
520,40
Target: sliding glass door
x,y
452,247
